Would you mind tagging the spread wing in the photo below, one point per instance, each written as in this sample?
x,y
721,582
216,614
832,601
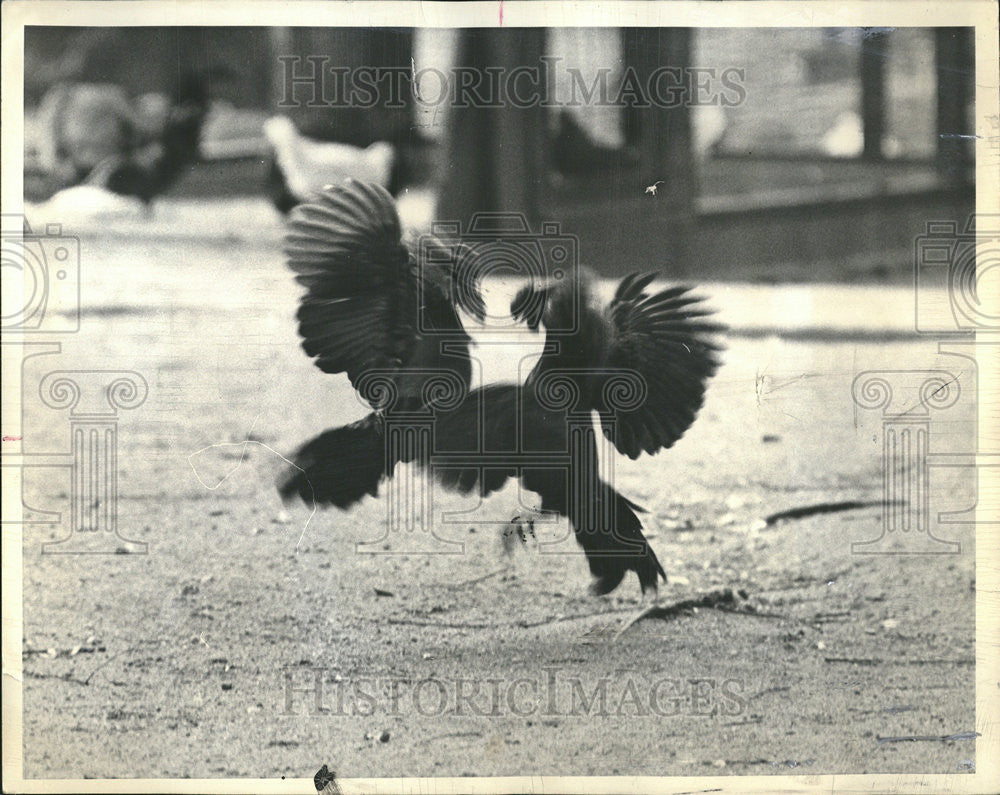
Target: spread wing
x,y
369,305
666,339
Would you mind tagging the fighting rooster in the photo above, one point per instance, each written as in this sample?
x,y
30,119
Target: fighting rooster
x,y
373,305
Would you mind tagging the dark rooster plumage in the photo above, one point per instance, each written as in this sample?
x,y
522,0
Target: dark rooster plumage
x,y
361,314
372,307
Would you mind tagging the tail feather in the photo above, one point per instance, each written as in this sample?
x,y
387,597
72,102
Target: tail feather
x,y
339,467
611,555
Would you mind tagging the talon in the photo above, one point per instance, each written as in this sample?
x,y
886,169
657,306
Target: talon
x,y
524,524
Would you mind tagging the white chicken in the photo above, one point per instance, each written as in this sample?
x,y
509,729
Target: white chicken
x,y
303,166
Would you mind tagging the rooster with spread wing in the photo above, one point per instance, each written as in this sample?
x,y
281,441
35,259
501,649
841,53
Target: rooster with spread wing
x,y
373,305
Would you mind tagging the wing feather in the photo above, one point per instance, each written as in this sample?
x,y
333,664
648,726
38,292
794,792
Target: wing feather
x,y
663,338
367,300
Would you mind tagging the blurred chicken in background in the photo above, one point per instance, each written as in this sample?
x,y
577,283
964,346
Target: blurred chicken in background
x,y
94,134
301,166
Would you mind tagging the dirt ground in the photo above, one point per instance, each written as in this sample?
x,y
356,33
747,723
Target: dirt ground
x,y
255,640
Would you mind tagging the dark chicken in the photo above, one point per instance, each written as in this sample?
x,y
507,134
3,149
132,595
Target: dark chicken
x,y
94,134
640,362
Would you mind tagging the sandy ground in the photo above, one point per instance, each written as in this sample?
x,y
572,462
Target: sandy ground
x,y
254,640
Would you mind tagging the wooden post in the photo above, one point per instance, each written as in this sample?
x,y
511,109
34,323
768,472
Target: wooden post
x,y
495,155
874,51
955,73
314,67
663,135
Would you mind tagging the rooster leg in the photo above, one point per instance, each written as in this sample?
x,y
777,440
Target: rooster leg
x,y
523,524
521,527
511,531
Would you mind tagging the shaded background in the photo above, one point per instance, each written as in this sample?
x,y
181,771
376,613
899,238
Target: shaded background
x,y
846,141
